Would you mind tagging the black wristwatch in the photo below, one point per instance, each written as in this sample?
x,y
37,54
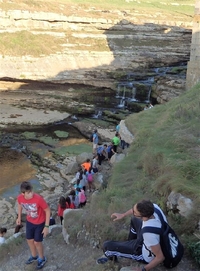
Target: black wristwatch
x,y
144,269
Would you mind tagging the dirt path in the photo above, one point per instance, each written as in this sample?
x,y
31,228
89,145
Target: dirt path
x,y
65,257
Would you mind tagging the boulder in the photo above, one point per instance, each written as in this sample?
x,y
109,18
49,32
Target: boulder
x,y
71,217
81,158
117,158
125,133
72,168
177,202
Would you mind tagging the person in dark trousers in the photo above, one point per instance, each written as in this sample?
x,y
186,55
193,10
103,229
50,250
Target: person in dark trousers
x,y
141,247
110,150
101,152
116,141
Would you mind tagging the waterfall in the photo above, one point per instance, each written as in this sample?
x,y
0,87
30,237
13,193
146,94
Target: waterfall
x,y
149,94
133,95
122,98
118,91
137,86
97,114
134,91
122,103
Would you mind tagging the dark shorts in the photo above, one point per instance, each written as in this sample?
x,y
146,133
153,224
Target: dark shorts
x,y
95,170
34,231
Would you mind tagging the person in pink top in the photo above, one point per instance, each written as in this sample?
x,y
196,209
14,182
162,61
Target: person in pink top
x,y
37,222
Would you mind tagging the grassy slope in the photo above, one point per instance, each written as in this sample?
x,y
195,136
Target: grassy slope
x,y
164,157
181,6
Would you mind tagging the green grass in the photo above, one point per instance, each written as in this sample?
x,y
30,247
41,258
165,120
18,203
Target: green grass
x,y
164,157
61,134
74,149
120,4
25,43
184,6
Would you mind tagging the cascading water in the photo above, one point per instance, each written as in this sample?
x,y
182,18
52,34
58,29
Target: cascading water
x,y
97,114
122,99
135,91
137,87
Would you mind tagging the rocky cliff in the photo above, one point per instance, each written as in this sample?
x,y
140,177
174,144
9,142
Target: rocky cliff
x,y
96,47
193,71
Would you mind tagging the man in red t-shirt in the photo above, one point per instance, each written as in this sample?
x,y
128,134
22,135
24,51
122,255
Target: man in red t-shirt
x,y
37,222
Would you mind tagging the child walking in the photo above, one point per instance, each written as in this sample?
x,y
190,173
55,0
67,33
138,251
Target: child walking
x,y
37,222
90,180
61,207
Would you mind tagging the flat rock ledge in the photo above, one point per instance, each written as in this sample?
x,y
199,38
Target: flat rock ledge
x,y
28,116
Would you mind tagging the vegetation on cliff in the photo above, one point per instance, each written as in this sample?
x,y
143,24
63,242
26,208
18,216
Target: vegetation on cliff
x,y
38,43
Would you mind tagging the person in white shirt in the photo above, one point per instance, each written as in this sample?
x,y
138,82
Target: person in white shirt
x,y
141,247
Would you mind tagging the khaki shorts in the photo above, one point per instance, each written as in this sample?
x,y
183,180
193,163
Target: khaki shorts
x,y
94,146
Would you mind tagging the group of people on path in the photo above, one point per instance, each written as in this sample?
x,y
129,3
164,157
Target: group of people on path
x,y
77,196
106,151
38,219
143,247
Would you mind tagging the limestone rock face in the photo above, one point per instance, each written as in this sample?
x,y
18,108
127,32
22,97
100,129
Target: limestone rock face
x,y
97,49
168,88
116,158
125,133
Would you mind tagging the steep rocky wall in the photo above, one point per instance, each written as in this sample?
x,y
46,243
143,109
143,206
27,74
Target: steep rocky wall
x,y
193,71
129,42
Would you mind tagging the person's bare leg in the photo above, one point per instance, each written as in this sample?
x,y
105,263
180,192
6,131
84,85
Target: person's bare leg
x,y
40,250
32,247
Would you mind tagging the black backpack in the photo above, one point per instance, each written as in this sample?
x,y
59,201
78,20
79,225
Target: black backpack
x,y
170,244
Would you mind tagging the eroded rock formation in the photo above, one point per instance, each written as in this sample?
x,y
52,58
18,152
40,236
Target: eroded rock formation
x,y
97,47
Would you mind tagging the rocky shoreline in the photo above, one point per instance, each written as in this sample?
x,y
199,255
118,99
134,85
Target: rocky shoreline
x,y
54,175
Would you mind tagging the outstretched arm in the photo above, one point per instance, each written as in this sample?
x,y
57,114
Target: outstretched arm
x,y
118,216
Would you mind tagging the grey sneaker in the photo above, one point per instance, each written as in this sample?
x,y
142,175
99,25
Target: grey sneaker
x,y
41,263
31,260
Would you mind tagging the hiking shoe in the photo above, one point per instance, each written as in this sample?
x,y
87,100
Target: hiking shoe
x,y
102,260
31,260
41,263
